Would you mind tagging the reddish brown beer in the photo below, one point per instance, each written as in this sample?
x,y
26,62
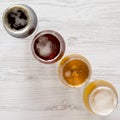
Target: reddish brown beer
x,y
48,46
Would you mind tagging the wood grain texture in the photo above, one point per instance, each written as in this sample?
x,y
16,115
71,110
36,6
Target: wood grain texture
x,y
30,90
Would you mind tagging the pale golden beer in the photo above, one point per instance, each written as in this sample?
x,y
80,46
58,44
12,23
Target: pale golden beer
x,y
100,97
74,70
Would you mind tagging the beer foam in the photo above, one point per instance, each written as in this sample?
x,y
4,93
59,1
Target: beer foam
x,y
103,100
44,46
68,73
17,18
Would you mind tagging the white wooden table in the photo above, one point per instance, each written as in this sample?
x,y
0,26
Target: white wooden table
x,y
30,90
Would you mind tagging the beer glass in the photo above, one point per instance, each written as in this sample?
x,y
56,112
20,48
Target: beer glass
x,y
100,97
74,70
48,46
19,20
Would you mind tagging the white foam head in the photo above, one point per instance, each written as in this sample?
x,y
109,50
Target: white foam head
x,y
44,46
103,100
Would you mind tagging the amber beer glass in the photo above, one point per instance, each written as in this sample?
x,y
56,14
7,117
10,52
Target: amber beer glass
x,y
100,97
74,70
